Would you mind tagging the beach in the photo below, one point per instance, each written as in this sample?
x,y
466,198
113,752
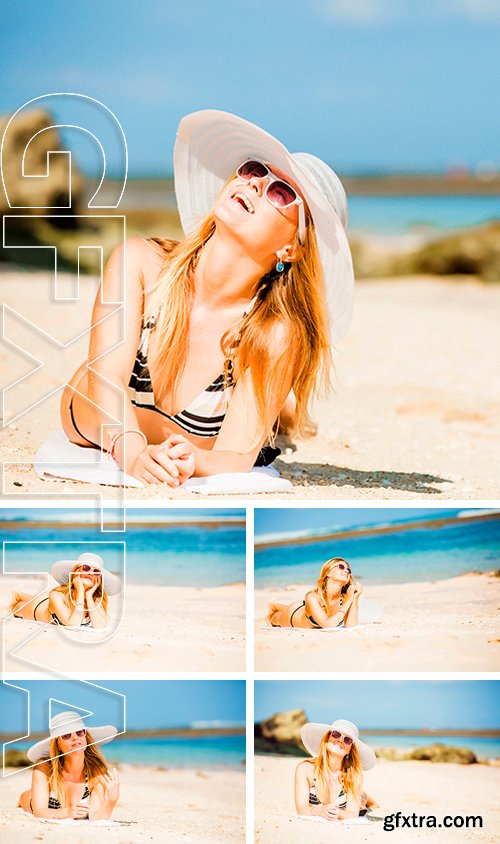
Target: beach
x,y
163,628
155,805
414,413
421,787
444,625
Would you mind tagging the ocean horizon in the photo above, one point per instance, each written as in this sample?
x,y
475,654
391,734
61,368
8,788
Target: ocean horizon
x,y
206,752
167,555
422,553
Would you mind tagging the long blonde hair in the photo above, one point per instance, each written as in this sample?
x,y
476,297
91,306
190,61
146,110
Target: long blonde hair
x,y
322,582
351,772
69,589
94,767
294,300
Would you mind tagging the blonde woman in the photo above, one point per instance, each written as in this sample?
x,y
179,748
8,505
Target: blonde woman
x,y
80,600
71,778
227,331
332,603
330,784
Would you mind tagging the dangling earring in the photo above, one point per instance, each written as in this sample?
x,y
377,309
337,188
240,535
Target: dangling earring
x,y
341,599
279,265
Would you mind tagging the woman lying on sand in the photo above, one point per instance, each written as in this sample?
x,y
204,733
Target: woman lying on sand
x,y
80,600
71,778
333,602
227,331
330,785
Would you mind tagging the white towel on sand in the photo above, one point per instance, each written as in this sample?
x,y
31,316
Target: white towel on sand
x,y
70,821
362,820
58,457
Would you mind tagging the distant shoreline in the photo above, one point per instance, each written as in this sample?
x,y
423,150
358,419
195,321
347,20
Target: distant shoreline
x,y
208,523
178,732
395,184
374,530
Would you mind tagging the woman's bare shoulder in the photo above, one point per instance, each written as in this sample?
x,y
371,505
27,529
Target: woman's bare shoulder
x,y
306,767
43,768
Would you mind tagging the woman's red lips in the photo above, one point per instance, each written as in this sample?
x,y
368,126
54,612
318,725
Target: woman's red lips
x,y
243,201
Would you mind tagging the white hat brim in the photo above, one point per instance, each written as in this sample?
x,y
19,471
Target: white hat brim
x,y
41,750
311,735
61,570
210,145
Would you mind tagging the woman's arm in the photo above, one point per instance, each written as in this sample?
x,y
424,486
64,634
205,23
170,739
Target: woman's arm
x,y
326,620
301,795
98,615
71,616
351,810
40,797
114,338
351,616
243,432
104,797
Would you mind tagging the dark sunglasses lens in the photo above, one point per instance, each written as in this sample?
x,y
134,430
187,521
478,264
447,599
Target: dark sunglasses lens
x,y
281,194
347,740
80,733
85,567
66,736
252,170
335,734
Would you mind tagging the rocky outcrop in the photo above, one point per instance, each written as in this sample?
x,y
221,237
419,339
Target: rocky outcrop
x,y
431,753
29,132
281,733
16,759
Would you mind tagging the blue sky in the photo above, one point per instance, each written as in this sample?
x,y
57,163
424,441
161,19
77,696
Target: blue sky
x,y
469,704
281,520
150,703
366,84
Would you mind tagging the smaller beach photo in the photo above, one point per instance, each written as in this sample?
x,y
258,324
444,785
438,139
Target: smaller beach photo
x,y
385,589
166,594
172,770
376,756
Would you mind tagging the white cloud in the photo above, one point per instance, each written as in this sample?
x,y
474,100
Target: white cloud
x,y
361,12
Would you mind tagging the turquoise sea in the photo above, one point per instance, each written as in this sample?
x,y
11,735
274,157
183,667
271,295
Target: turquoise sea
x,y
209,752
400,214
168,555
412,555
484,748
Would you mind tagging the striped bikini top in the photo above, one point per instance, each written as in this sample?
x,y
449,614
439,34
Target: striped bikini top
x,y
54,802
341,800
204,416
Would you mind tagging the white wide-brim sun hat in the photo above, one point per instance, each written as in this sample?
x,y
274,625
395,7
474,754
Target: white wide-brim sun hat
x,y
311,735
62,569
68,722
211,144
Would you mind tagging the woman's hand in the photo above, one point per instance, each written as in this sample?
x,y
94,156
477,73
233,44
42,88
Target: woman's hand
x,y
112,785
329,811
91,589
78,811
182,452
358,589
79,590
153,465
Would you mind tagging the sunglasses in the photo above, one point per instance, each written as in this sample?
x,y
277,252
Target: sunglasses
x,y
346,739
88,569
67,736
277,192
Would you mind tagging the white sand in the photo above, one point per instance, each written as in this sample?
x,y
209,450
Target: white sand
x,y
163,628
446,625
407,787
415,413
157,805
